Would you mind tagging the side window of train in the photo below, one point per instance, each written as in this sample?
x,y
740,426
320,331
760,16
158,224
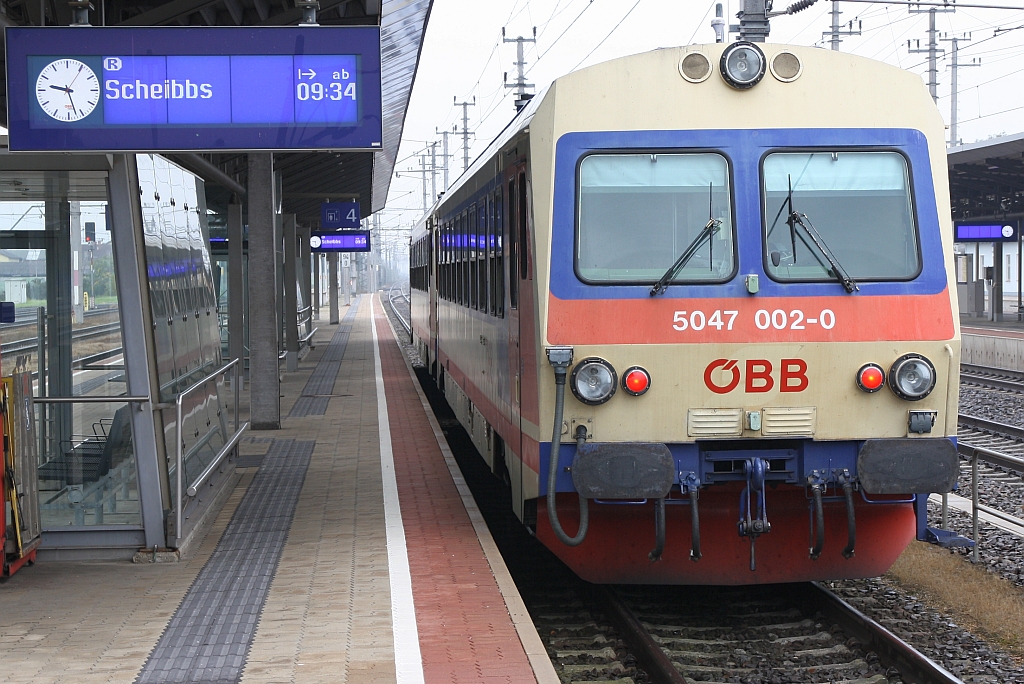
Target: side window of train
x,y
499,260
513,247
457,281
464,271
482,251
470,223
448,261
491,256
524,237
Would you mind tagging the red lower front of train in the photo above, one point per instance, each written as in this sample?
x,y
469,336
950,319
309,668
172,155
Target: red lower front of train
x,y
621,535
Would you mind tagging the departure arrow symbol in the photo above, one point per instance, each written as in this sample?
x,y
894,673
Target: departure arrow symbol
x,y
307,74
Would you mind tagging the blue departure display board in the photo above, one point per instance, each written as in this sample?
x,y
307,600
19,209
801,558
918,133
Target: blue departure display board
x,y
342,241
985,232
193,88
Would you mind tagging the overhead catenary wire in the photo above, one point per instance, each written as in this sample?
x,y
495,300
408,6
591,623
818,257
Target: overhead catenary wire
x,y
614,29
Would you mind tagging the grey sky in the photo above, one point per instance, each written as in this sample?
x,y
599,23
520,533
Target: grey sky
x,y
463,57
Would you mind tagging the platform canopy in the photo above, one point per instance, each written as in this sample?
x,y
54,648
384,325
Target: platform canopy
x,y
986,179
308,178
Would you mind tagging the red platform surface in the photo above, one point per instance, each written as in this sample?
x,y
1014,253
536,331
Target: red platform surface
x,y
465,631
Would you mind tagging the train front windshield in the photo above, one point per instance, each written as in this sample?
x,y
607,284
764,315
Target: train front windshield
x,y
638,212
859,203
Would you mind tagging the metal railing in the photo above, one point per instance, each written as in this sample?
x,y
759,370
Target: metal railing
x,y
122,399
976,453
193,487
306,321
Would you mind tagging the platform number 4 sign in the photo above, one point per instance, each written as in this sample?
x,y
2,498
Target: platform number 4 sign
x,y
335,215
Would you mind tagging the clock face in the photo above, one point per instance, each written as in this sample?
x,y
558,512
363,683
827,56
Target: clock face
x,y
315,241
1007,231
67,90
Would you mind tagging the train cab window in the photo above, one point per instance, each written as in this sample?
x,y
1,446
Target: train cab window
x,y
637,213
858,202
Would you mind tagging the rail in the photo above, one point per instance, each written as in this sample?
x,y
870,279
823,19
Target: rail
x,y
992,377
179,506
812,598
401,319
913,665
30,343
306,338
976,453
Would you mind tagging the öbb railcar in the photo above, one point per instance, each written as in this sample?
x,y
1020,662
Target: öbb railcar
x,y
737,258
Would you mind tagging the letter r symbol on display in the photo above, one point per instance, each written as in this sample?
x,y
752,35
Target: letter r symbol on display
x,y
112,63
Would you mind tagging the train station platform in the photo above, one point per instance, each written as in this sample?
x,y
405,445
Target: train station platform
x,y
350,550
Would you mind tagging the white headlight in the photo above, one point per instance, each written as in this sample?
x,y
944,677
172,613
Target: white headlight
x,y
912,377
743,65
593,381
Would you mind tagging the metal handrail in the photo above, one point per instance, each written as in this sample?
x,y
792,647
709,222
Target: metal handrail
x,y
179,449
89,400
309,336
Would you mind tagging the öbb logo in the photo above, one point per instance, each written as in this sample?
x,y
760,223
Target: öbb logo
x,y
757,374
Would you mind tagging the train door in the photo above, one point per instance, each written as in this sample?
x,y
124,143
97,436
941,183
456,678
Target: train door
x,y
514,177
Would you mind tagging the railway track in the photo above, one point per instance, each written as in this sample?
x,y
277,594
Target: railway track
x,y
659,634
398,315
991,378
31,343
793,633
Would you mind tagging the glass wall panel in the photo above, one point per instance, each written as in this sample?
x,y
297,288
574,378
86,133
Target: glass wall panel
x,y
183,297
56,265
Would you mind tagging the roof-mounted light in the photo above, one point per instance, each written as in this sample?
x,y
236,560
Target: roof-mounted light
x,y
743,65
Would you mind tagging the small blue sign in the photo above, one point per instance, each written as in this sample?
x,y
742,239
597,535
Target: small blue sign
x,y
985,232
193,88
344,241
335,215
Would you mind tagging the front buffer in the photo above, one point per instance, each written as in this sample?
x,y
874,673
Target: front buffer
x,y
621,535
720,514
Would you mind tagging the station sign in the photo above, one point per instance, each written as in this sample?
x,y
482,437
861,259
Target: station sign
x,y
168,89
341,241
985,231
335,215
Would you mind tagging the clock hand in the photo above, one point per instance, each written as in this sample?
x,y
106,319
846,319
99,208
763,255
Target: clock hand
x,y
61,88
76,76
72,102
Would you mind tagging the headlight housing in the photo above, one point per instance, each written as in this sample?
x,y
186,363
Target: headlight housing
x,y
743,65
912,377
593,381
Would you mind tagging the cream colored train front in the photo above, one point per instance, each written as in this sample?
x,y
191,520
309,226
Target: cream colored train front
x,y
713,280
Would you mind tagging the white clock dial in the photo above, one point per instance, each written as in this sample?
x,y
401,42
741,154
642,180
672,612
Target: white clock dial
x,y
67,90
1007,231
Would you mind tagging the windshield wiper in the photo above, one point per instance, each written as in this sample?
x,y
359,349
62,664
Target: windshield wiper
x,y
706,234
796,218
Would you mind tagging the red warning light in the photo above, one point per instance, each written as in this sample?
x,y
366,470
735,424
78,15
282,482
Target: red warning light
x,y
636,381
870,377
